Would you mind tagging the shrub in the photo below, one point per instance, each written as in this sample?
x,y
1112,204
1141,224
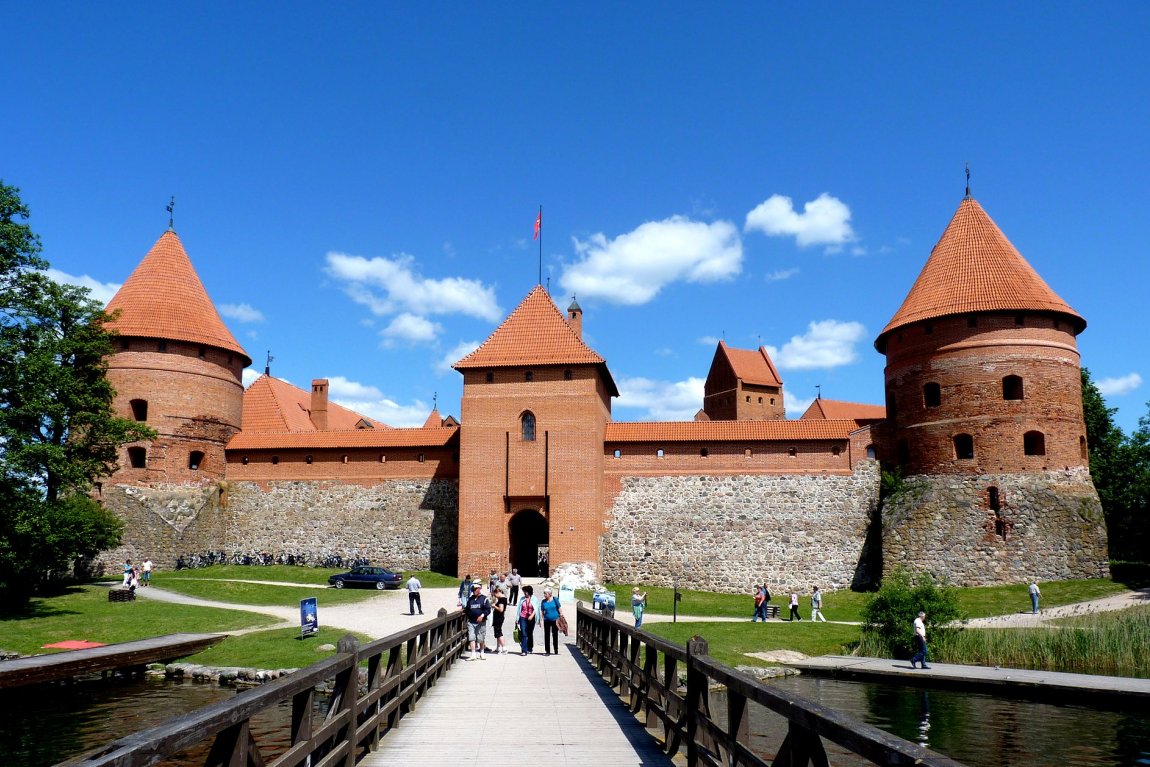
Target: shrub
x,y
888,615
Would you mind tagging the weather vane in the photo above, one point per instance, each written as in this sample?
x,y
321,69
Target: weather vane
x,y
172,213
818,391
268,364
435,400
968,181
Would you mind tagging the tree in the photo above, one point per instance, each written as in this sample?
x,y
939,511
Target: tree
x,y
57,429
889,613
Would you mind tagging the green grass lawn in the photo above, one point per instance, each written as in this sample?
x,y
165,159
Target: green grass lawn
x,y
277,648
84,612
729,642
238,593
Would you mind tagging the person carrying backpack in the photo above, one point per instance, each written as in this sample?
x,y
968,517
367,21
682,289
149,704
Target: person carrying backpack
x,y
477,609
527,622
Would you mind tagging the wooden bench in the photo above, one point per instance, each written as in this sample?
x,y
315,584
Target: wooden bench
x,y
772,611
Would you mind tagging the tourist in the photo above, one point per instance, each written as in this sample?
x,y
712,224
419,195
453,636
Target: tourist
x,y
464,589
502,583
760,605
477,609
638,605
795,606
492,582
1034,595
413,599
499,606
516,580
127,568
551,612
919,641
146,572
817,606
527,622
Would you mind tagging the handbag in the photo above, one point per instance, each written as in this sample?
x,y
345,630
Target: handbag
x,y
515,633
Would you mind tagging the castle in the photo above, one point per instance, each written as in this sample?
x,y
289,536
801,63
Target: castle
x,y
982,429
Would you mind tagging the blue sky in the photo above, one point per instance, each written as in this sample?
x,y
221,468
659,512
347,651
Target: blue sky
x,y
357,184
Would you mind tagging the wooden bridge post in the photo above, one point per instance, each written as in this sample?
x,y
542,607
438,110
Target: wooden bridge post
x,y
344,697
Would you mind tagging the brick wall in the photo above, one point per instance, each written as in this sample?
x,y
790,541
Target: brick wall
x,y
357,466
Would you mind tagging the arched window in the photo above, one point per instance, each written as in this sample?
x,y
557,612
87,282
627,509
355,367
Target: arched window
x,y
1034,443
1012,387
527,426
195,460
617,453
870,454
792,452
137,457
659,453
275,460
139,409
963,446
931,394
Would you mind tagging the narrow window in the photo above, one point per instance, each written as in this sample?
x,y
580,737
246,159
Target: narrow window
x,y
1034,443
422,457
931,394
137,457
162,346
870,454
490,376
275,460
963,446
529,376
343,458
1012,387
383,457
748,398
1082,451
747,453
704,453
836,451
567,375
772,400
309,460
203,352
618,453
527,426
891,403
793,452
139,409
195,458
992,499
760,400
659,453
244,460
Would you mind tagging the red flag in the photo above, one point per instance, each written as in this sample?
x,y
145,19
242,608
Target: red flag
x,y
538,223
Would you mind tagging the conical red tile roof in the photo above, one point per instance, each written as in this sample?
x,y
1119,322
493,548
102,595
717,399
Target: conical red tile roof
x,y
164,298
974,268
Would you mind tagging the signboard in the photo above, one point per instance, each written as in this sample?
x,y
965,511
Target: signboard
x,y
566,593
308,617
604,602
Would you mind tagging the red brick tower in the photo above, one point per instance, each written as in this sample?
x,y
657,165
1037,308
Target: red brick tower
x,y
743,385
983,386
176,368
536,402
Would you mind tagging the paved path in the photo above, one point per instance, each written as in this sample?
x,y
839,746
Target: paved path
x,y
569,716
1028,620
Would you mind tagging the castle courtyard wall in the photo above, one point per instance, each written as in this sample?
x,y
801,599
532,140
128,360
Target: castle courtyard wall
x,y
726,532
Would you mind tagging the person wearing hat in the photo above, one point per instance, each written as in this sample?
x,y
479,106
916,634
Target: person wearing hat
x,y
477,609
549,608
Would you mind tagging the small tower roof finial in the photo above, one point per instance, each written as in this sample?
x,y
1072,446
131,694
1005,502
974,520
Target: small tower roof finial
x,y
172,214
967,181
268,364
818,391
435,400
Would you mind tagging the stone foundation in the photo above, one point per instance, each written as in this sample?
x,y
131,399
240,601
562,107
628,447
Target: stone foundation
x,y
1049,526
163,522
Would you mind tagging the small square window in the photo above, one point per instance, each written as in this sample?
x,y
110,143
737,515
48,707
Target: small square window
x,y
529,376
490,376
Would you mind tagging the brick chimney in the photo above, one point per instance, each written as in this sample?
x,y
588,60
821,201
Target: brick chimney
x,y
575,317
319,404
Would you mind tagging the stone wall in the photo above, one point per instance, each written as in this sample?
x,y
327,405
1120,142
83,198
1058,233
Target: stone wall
x,y
1048,526
723,533
409,524
163,522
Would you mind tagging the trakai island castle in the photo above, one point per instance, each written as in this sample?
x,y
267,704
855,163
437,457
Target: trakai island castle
x,y
983,422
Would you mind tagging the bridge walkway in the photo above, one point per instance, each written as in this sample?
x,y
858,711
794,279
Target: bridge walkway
x,y
553,710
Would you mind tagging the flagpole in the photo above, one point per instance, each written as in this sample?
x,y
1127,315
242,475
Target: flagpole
x,y
540,244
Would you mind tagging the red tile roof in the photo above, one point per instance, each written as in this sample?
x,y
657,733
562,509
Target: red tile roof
x,y
275,406
356,438
974,268
836,409
535,334
730,431
164,298
752,366
433,419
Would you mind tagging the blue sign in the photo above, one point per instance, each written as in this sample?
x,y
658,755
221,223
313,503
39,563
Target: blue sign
x,y
308,617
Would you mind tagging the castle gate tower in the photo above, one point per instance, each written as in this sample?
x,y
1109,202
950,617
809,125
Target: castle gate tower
x,y
536,402
984,408
176,368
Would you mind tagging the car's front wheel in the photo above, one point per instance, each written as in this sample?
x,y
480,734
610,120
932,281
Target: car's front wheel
x,y
380,585
339,584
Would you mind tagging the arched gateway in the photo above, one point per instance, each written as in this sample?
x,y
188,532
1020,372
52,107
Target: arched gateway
x,y
527,532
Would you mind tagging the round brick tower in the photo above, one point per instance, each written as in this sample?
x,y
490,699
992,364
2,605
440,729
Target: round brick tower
x,y
984,418
177,368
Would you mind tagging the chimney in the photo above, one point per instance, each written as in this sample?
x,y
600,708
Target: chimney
x,y
319,404
575,317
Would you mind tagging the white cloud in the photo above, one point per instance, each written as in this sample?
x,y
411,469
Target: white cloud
x,y
390,285
709,340
339,387
795,406
825,220
826,344
782,274
370,401
410,328
1116,387
662,400
241,312
99,291
633,267
455,354
249,376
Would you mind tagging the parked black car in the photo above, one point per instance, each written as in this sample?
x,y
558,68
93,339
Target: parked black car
x,y
379,577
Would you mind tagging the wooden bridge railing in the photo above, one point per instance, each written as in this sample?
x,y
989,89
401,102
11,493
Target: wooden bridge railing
x,y
645,671
400,668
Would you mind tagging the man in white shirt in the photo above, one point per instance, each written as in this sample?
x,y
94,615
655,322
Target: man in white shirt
x,y
413,601
919,640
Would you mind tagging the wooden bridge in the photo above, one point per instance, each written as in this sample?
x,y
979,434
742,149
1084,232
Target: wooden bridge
x,y
617,696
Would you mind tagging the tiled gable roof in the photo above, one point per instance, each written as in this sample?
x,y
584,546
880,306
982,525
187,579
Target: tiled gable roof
x,y
837,409
535,334
752,366
164,298
730,431
275,406
974,268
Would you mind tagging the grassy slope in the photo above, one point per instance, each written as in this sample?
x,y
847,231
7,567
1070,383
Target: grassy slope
x,y
277,648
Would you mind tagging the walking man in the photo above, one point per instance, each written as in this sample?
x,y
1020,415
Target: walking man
x,y
760,605
919,641
1034,595
477,609
146,572
817,606
413,600
795,606
516,580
